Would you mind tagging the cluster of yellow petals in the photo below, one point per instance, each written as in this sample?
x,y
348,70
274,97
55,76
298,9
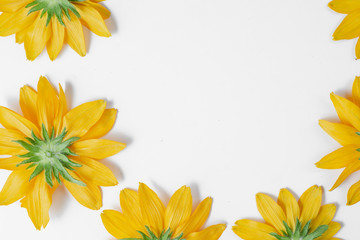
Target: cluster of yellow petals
x,y
31,29
288,209
144,208
345,133
88,121
350,26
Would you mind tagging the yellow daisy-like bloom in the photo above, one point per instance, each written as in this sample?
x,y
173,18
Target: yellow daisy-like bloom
x,y
50,145
145,217
51,23
347,133
350,26
289,219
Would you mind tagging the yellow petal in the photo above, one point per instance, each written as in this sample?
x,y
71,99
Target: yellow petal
x,y
47,103
105,14
38,201
10,162
179,208
252,230
350,169
310,203
353,195
92,19
357,49
334,227
95,172
130,205
37,38
11,120
62,110
344,6
103,126
7,144
349,27
12,5
15,186
152,209
97,148
211,233
290,206
196,220
88,196
74,34
81,118
11,23
118,225
20,36
270,211
356,91
346,110
56,41
28,99
340,158
342,133
325,216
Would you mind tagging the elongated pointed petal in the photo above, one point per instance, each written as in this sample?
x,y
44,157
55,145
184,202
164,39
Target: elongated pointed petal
x,y
325,216
349,27
353,195
28,99
346,110
310,203
130,205
80,119
97,148
340,158
105,14
12,6
92,20
344,6
152,209
10,162
356,91
102,126
11,23
117,225
38,201
95,172
37,38
290,206
74,34
11,120
342,133
334,227
179,208
350,169
197,219
211,233
7,144
270,211
56,41
89,196
16,186
252,230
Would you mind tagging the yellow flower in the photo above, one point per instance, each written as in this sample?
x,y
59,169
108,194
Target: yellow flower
x,y
51,23
289,219
347,134
144,216
50,145
350,26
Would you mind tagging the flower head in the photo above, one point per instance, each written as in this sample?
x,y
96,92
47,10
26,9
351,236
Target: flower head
x,y
350,26
50,145
51,23
347,133
289,219
145,217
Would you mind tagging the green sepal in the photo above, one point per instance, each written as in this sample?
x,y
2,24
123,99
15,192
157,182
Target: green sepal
x,y
165,235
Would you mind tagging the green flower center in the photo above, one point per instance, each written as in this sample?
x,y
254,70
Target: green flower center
x,y
301,234
165,235
50,154
54,7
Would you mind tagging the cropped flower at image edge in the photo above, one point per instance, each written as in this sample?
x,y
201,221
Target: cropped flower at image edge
x,y
144,217
51,24
50,145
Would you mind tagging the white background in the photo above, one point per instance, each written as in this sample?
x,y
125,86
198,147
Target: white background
x,y
224,96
